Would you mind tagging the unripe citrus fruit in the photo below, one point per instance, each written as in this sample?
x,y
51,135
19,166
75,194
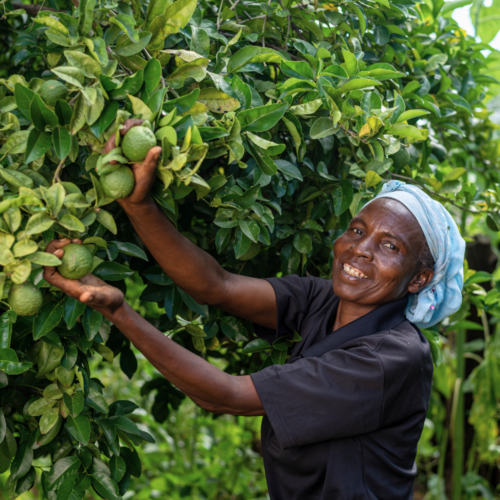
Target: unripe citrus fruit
x,y
53,90
118,184
25,299
137,143
76,262
401,158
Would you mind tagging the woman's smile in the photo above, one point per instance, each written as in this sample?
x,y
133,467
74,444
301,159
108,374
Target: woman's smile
x,y
353,272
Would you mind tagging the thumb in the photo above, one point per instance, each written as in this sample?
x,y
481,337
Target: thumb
x,y
151,161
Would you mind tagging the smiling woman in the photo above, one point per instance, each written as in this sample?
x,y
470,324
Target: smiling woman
x,y
343,416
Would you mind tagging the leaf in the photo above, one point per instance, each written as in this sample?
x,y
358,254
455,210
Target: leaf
x,y
78,118
112,271
23,97
38,223
196,70
86,9
217,101
106,219
127,24
38,144
96,400
257,345
152,73
302,242
118,467
72,223
262,118
22,461
129,249
44,259
61,141
47,318
74,403
49,358
105,486
86,64
410,114
91,321
60,470
130,47
69,74
5,330
132,460
409,131
289,169
41,116
252,54
48,420
10,364
322,127
176,16
79,428
234,329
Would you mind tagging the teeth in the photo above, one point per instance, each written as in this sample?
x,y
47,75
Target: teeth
x,y
352,271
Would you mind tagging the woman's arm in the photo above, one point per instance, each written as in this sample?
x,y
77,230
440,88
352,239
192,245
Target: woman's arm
x,y
194,270
206,385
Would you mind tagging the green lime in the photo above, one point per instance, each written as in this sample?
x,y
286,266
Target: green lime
x,y
76,262
53,90
137,143
401,158
118,184
25,299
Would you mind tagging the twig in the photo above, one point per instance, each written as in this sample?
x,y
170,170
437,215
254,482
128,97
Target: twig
x,y
288,27
433,193
264,27
296,29
58,170
109,51
33,10
275,47
173,92
219,13
233,6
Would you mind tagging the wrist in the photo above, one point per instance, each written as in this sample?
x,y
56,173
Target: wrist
x,y
139,209
118,315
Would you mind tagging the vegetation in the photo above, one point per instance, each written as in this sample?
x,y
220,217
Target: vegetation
x,y
277,121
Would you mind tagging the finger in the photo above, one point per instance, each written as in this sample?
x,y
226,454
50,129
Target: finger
x,y
77,241
151,160
86,297
56,244
132,122
110,144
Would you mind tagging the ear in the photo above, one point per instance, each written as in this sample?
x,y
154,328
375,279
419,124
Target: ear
x,y
420,280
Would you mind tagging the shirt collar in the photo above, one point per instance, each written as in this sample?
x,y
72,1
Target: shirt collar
x,y
383,318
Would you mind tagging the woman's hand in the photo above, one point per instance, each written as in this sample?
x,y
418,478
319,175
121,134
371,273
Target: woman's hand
x,y
144,172
90,290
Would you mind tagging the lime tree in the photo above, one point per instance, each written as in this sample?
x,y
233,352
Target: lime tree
x,y
53,90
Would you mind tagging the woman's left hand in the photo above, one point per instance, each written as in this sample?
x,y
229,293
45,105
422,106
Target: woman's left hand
x,y
90,290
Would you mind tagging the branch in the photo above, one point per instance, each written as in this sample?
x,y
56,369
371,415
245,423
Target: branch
x,y
276,47
33,10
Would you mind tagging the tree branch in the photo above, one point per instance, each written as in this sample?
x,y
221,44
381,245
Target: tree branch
x,y
33,10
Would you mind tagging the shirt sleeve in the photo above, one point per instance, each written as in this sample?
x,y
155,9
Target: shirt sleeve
x,y
294,297
338,395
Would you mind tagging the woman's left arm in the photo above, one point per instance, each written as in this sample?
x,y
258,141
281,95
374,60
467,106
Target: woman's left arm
x,y
205,384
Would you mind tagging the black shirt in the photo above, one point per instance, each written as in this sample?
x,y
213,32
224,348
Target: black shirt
x,y
345,413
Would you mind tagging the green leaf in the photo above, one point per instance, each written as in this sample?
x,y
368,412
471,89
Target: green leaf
x,y
72,223
86,9
252,54
105,486
217,101
61,141
410,114
60,471
49,358
323,127
47,318
96,400
262,118
38,223
112,271
38,144
6,322
234,329
86,64
74,403
10,364
106,219
22,461
302,242
91,321
78,118
49,419
152,74
127,24
79,428
350,62
69,74
131,457
41,116
129,249
176,16
196,70
24,96
118,467
297,69
257,345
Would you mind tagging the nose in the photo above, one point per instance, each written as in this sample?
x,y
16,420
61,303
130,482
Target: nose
x,y
363,248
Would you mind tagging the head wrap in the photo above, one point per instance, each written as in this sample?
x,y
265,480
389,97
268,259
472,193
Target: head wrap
x,y
442,296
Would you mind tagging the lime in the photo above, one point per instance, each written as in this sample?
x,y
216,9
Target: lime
x,y
25,299
137,143
118,184
76,262
53,90
401,158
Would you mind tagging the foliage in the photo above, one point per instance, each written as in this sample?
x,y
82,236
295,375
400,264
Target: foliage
x,y
278,121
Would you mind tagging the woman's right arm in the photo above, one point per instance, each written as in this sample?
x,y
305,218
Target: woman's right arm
x,y
192,269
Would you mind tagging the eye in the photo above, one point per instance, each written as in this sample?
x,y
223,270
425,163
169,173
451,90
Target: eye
x,y
390,246
357,231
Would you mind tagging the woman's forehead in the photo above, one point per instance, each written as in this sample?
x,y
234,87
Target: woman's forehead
x,y
387,214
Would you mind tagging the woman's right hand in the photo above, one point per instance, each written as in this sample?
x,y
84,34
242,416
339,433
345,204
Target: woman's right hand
x,y
144,172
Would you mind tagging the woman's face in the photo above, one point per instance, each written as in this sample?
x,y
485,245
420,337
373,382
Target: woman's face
x,y
375,260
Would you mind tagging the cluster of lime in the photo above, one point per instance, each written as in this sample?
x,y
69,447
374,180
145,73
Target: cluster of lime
x,y
117,180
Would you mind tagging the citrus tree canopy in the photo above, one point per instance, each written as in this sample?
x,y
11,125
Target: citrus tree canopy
x,y
277,120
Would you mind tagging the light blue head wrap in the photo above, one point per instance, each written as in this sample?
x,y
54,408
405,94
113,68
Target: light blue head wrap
x,y
443,295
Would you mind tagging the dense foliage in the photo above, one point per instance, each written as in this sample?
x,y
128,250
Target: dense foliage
x,y
278,121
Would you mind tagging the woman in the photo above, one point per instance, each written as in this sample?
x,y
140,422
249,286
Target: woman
x,y
343,417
